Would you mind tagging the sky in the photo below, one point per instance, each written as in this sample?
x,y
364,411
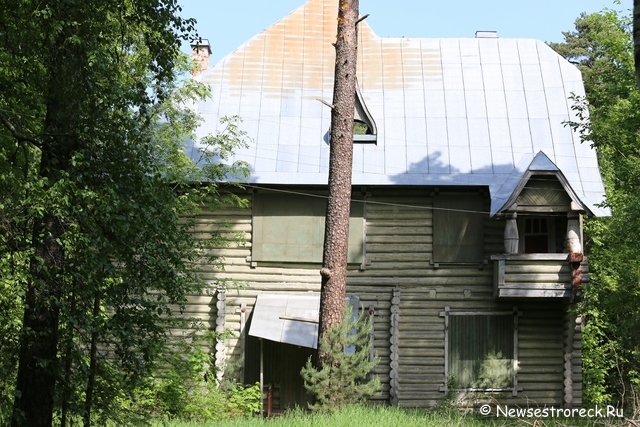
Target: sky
x,y
227,24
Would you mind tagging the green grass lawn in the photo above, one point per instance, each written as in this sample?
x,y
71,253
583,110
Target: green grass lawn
x,y
389,416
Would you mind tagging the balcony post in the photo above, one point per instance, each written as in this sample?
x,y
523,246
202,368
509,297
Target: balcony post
x,y
574,246
511,237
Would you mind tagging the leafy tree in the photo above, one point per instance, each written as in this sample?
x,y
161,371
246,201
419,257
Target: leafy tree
x,y
94,253
609,119
344,378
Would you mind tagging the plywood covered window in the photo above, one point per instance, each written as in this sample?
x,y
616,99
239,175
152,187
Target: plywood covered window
x,y
458,228
481,350
290,228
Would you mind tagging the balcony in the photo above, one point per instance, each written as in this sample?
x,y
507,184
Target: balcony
x,y
537,275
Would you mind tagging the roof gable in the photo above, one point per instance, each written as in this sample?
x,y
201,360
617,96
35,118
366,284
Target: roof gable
x,y
517,190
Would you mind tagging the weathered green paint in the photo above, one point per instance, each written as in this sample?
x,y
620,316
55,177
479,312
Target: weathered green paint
x,y
458,228
399,248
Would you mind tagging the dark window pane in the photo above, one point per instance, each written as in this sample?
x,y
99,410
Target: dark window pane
x,y
536,244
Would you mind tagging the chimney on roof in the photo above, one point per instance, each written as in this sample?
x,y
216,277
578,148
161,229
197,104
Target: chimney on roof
x,y
486,34
200,53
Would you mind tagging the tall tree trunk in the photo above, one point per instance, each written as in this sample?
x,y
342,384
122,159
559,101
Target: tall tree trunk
x,y
35,386
38,355
336,235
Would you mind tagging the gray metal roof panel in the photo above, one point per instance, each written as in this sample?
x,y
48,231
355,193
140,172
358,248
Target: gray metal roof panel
x,y
290,319
448,111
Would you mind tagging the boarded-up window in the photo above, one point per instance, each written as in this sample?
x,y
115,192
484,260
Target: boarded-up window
x,y
458,228
290,228
481,351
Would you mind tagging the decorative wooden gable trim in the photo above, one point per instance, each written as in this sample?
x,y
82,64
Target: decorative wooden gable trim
x,y
543,193
547,191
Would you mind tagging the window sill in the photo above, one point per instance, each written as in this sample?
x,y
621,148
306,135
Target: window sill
x,y
513,390
369,139
531,257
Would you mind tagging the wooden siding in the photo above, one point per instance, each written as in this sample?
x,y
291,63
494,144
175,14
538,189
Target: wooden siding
x,y
543,194
398,255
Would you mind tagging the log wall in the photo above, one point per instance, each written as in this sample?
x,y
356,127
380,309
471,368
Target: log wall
x,y
408,331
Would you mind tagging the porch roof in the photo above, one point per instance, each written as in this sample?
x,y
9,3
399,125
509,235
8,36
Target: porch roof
x,y
289,319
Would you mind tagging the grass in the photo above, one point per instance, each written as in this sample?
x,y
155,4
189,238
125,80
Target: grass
x,y
388,416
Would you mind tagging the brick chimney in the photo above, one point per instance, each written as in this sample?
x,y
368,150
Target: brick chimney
x,y
200,53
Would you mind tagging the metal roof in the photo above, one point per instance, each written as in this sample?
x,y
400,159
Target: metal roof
x,y
290,319
448,111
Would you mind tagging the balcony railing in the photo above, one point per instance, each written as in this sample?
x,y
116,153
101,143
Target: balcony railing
x,y
534,275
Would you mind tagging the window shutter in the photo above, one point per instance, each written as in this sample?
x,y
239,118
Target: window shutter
x,y
290,228
458,232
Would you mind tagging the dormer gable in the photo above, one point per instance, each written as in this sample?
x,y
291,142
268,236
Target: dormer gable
x,y
543,188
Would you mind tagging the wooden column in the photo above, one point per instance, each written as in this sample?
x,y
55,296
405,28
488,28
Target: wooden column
x,y
243,336
568,359
511,237
221,348
577,362
574,245
393,341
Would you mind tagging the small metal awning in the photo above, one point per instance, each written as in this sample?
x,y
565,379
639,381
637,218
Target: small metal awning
x,y
290,319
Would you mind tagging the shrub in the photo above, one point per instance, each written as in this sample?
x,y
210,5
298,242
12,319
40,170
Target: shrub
x,y
345,378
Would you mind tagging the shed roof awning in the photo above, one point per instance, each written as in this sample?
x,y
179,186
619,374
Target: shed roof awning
x,y
290,319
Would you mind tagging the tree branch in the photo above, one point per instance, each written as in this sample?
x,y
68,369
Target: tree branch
x,y
16,134
362,18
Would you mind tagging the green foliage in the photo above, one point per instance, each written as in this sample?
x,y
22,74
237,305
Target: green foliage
x,y
194,398
244,400
10,314
394,416
609,119
494,372
96,256
345,377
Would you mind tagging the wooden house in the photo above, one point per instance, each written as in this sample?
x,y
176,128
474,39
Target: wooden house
x,y
469,191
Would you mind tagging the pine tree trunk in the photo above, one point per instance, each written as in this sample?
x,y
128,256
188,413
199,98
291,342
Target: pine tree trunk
x,y
336,237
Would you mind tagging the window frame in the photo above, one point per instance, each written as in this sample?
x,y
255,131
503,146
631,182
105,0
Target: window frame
x,y
551,233
448,312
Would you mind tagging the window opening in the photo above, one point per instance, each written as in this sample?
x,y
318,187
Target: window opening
x,y
481,350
